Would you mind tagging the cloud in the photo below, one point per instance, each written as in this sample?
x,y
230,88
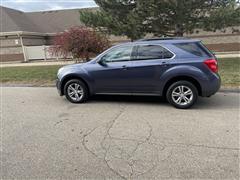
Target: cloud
x,y
44,5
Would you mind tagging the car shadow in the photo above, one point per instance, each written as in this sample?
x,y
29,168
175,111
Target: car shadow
x,y
219,101
129,99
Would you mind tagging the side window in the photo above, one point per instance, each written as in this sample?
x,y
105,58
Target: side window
x,y
146,52
118,54
193,48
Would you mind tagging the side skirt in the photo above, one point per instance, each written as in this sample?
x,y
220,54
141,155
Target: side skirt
x,y
130,94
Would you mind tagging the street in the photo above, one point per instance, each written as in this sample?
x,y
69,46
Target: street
x,y
117,137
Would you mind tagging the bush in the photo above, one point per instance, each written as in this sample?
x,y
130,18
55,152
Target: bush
x,y
80,42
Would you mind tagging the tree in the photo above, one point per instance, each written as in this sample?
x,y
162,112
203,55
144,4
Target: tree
x,y
175,17
136,18
116,17
80,42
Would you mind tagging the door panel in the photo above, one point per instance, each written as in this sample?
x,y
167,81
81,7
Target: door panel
x,y
129,69
146,75
149,63
112,78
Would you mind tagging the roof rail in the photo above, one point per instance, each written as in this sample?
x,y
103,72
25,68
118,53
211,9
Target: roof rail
x,y
164,38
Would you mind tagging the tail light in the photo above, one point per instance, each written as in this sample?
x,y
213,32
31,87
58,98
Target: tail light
x,y
212,65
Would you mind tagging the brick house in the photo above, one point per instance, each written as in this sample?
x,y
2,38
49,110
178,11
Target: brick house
x,y
22,30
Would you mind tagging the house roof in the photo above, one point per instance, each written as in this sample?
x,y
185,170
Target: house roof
x,y
41,22
13,20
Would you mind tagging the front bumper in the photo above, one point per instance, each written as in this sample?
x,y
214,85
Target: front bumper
x,y
58,85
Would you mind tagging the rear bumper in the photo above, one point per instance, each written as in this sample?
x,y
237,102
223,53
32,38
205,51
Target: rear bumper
x,y
212,86
58,85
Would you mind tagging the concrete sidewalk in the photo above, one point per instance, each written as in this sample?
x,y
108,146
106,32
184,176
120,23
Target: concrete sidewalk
x,y
36,63
228,54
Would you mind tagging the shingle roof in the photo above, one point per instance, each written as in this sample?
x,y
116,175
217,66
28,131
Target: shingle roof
x,y
13,20
44,22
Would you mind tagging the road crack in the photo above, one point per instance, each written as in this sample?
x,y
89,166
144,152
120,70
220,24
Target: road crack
x,y
126,157
202,146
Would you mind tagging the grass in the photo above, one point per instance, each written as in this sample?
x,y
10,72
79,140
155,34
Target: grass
x,y
36,75
229,69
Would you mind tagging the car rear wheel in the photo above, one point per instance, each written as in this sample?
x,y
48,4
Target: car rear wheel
x,y
76,91
182,94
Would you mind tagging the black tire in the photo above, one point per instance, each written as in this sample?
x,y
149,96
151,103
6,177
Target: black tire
x,y
83,96
176,97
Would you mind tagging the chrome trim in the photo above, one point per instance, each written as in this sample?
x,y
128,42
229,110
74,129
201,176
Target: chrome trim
x,y
133,45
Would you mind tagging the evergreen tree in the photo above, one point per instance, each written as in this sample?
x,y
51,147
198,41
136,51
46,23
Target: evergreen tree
x,y
115,17
136,18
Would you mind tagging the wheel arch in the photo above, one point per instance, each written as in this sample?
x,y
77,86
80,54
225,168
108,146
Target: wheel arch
x,y
182,78
70,77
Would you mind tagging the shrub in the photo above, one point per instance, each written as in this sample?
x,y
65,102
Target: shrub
x,y
80,42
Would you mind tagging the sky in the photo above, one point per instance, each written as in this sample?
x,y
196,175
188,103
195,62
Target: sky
x,y
45,5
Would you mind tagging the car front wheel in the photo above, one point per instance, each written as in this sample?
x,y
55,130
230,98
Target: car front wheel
x,y
76,91
182,94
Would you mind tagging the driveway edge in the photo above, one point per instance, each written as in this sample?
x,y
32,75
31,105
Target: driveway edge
x,y
230,90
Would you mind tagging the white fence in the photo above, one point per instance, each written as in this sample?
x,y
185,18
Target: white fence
x,y
40,53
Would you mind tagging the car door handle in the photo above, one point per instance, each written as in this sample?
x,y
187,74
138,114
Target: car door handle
x,y
124,67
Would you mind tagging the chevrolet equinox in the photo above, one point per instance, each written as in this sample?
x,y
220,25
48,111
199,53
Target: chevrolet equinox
x,y
178,69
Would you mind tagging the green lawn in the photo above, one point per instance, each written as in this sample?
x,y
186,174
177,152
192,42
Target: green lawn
x,y
229,70
36,75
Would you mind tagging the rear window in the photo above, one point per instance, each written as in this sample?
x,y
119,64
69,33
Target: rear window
x,y
153,52
195,48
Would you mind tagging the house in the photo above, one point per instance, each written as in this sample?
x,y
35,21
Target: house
x,y
24,35
20,31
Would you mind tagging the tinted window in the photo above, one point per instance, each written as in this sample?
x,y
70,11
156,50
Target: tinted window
x,y
118,54
153,52
205,49
193,48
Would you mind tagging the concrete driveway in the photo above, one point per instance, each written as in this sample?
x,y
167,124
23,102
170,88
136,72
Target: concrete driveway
x,y
44,136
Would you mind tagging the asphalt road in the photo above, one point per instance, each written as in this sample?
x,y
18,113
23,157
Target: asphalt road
x,y
44,136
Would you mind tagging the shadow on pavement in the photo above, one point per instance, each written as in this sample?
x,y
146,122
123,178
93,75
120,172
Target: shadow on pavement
x,y
218,101
128,99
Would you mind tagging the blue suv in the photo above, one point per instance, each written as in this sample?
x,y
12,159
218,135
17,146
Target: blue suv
x,y
178,69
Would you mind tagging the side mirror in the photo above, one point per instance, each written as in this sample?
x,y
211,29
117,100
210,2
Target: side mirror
x,y
102,62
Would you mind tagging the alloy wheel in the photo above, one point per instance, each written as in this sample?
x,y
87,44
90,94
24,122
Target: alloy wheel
x,y
182,95
75,91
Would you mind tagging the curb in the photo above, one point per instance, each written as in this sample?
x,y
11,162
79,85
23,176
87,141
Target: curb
x,y
229,90
26,85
